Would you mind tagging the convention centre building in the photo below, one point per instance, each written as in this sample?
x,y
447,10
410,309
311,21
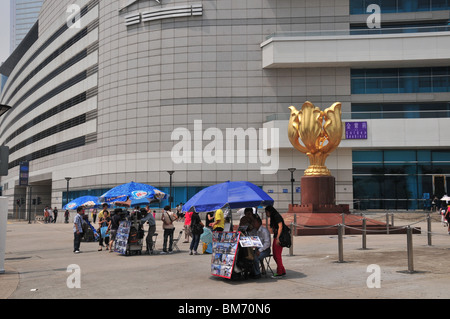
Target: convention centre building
x,y
190,93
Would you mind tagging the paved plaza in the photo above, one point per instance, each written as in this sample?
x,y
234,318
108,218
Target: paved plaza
x,y
38,256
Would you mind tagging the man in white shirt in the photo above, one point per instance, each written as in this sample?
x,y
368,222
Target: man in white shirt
x,y
260,252
168,217
78,229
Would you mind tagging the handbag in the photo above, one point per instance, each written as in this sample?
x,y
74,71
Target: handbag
x,y
104,231
285,237
197,229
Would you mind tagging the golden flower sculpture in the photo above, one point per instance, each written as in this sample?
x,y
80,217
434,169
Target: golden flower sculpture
x,y
320,132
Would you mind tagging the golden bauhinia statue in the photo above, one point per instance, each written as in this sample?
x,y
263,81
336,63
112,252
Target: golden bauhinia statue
x,y
320,132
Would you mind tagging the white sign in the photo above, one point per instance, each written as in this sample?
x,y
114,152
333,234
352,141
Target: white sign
x,y
164,13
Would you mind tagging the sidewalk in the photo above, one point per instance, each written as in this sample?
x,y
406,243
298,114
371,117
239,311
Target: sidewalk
x,y
38,255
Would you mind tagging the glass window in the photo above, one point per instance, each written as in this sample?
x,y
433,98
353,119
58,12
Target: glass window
x,y
389,6
392,6
367,156
358,86
405,80
400,180
441,156
400,155
357,7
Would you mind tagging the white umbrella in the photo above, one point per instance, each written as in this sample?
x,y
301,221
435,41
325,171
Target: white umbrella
x,y
446,198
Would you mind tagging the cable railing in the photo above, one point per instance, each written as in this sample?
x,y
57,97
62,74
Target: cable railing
x,y
409,229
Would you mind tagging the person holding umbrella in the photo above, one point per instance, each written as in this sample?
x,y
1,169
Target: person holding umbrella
x,y
276,223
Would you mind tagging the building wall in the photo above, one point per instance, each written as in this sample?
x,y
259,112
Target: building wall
x,y
24,15
145,81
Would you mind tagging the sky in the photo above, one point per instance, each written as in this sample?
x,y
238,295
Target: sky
x,y
4,30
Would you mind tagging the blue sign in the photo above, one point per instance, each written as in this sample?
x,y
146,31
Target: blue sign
x,y
356,130
24,173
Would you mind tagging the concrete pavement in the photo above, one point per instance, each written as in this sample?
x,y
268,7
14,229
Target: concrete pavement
x,y
38,256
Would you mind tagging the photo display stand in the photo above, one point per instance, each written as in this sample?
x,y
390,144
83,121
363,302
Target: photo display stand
x,y
224,249
121,242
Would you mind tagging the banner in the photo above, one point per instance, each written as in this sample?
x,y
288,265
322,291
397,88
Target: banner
x,y
121,242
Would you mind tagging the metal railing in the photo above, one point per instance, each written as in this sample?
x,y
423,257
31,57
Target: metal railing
x,y
364,231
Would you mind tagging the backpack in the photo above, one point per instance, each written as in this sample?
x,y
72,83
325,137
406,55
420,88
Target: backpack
x,y
285,237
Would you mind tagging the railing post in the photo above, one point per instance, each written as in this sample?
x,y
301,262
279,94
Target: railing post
x,y
295,224
341,242
387,223
343,223
291,249
409,245
364,241
429,229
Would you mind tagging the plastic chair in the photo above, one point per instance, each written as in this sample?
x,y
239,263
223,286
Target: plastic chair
x,y
154,237
175,241
266,261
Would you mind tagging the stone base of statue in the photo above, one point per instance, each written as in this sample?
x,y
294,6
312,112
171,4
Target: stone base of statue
x,y
318,213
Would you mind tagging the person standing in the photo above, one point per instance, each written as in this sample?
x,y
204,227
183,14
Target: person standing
x,y
94,215
209,219
55,214
104,222
66,216
219,221
50,214
148,217
46,215
196,227
168,217
187,226
115,223
260,252
78,230
447,218
276,224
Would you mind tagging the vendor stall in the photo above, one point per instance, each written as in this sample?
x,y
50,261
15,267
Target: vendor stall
x,y
230,254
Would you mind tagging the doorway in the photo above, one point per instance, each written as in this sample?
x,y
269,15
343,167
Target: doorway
x,y
439,185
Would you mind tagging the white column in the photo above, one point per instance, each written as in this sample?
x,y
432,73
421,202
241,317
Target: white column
x,y
3,223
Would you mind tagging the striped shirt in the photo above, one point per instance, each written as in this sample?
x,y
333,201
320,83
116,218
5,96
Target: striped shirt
x,y
77,223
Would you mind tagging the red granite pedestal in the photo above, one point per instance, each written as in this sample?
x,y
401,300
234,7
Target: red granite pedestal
x,y
318,213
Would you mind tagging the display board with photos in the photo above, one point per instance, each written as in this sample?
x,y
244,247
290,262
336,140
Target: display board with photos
x,y
121,242
224,249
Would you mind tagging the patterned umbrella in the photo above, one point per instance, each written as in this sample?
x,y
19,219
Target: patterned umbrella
x,y
132,191
86,201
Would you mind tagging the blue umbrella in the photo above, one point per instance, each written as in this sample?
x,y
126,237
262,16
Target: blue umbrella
x,y
132,191
139,202
86,201
235,194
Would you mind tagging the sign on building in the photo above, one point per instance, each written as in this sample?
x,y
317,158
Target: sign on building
x,y
356,130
